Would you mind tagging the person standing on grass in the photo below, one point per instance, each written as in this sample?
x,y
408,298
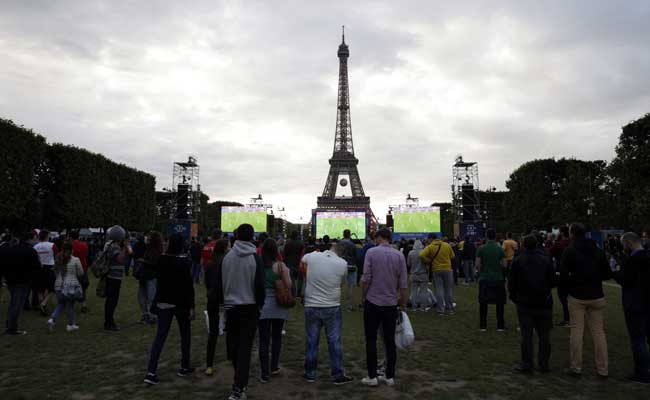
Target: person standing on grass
x,y
421,298
147,277
273,316
440,255
634,278
68,270
215,296
350,256
118,251
510,247
195,255
19,263
532,276
556,252
242,282
208,248
45,279
385,284
80,250
325,271
294,249
491,265
584,268
174,299
469,255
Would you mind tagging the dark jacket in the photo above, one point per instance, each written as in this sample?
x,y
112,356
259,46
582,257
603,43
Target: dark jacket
x,y
293,252
634,278
532,277
469,250
175,284
583,269
212,284
20,262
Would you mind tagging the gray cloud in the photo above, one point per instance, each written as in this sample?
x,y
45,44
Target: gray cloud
x,y
250,87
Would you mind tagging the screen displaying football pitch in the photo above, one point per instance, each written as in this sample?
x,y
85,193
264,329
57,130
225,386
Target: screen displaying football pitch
x,y
232,217
333,223
416,220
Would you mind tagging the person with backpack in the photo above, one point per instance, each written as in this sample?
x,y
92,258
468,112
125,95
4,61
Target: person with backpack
x,y
584,268
634,278
174,299
273,315
68,270
242,281
532,276
214,294
145,273
116,252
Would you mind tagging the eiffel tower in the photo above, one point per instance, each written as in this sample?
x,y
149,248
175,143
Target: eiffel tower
x,y
343,161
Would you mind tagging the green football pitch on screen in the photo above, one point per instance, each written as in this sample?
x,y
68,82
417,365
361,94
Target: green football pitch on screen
x,y
334,223
232,217
417,220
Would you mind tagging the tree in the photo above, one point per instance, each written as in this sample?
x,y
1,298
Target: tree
x,y
629,172
21,153
549,192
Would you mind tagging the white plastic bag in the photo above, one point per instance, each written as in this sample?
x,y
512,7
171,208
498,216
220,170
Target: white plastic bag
x,y
222,321
404,336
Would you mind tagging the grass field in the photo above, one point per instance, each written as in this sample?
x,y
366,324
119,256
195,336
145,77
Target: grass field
x,y
450,359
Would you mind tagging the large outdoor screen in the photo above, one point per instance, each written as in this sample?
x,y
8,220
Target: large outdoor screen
x,y
333,223
232,217
416,220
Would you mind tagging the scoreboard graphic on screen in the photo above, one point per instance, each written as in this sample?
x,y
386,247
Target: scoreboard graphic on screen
x,y
416,220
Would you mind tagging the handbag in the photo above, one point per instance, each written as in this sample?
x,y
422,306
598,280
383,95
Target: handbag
x,y
404,336
72,292
283,296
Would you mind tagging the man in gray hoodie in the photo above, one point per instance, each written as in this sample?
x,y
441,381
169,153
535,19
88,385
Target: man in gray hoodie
x,y
242,281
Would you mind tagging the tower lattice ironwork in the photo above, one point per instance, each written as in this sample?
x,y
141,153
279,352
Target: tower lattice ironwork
x,y
343,161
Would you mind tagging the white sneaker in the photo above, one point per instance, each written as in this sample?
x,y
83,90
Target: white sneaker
x,y
50,324
71,328
389,382
370,382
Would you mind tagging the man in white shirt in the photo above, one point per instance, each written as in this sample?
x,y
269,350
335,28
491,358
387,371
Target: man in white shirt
x,y
325,272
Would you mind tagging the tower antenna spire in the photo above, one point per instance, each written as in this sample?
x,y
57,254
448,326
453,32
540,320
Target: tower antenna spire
x,y
343,26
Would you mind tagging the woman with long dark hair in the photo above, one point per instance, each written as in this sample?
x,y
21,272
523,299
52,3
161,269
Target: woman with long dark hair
x,y
68,270
145,272
174,299
273,316
215,294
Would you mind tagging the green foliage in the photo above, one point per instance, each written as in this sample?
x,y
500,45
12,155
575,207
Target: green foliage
x,y
550,192
60,186
20,155
629,173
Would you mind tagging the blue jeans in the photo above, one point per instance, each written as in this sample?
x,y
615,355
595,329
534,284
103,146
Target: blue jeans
x,y
444,281
164,324
66,304
146,293
331,319
18,295
196,272
468,270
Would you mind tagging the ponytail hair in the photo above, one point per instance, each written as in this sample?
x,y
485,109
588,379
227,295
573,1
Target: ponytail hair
x,y
63,258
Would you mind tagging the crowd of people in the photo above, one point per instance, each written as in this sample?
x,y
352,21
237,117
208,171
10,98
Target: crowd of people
x,y
252,283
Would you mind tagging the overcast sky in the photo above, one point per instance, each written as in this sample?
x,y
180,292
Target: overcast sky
x,y
249,87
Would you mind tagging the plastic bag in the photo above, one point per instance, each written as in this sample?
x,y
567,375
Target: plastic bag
x,y
404,335
222,321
